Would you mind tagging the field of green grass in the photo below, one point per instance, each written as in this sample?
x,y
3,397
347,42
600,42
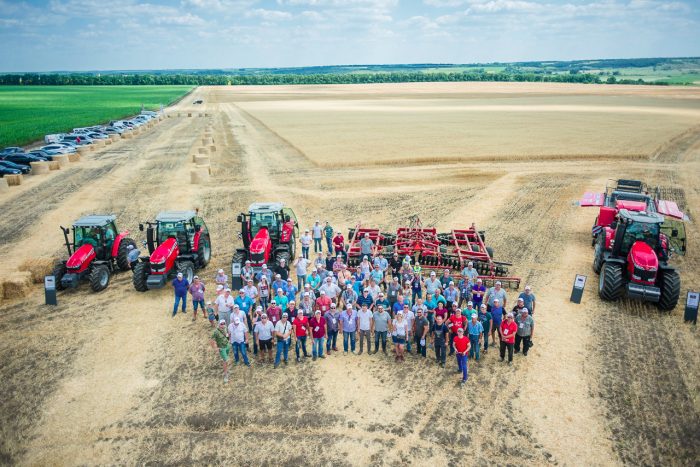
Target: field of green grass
x,y
27,113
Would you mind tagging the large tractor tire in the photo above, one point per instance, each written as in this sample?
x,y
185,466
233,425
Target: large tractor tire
x,y
140,276
670,285
187,270
292,249
99,277
599,253
282,255
58,271
610,283
123,254
204,251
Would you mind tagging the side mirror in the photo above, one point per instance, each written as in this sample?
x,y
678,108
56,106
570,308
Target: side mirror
x,y
674,233
141,227
239,218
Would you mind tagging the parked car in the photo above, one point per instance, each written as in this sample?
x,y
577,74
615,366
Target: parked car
x,y
49,139
68,144
198,101
114,130
79,140
11,150
41,153
8,171
23,158
95,135
150,113
25,169
53,149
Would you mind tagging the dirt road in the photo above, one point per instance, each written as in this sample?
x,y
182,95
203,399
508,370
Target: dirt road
x,y
111,378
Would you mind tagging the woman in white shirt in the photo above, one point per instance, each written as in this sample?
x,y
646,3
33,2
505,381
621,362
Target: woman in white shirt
x,y
399,334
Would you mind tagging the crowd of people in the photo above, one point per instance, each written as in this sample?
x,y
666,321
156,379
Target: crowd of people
x,y
382,299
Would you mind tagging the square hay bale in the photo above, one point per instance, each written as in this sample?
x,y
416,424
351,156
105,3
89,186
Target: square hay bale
x,y
54,165
203,150
75,157
18,285
207,141
212,148
201,159
3,185
189,114
38,268
204,167
62,160
39,168
107,141
13,179
199,176
83,149
115,136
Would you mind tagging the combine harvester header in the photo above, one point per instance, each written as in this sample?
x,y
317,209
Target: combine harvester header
x,y
435,251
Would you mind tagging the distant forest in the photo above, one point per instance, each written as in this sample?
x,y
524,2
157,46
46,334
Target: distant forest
x,y
644,71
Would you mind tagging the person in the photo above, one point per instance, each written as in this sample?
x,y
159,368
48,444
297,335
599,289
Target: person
x,y
366,246
338,265
181,286
409,317
380,326
364,321
382,300
528,299
477,293
301,332
339,244
318,332
365,300
469,276
278,283
348,326
420,332
376,274
381,261
332,317
244,302
496,292
399,334
211,314
219,341
508,331
238,333
257,317
132,255
306,305
455,322
393,290
445,279
469,310
264,291
395,264
291,291
224,306
324,303
440,334
318,262
305,244
197,292
416,287
283,332
519,305
263,337
317,235
281,299
300,266
247,271
221,278
526,329
461,346
331,289
274,312
330,260
328,233
365,267
497,316
476,331
264,271
281,269
250,290
314,281
432,284
348,296
451,295
486,319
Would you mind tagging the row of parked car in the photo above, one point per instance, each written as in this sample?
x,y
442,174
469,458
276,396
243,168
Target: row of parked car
x,y
15,160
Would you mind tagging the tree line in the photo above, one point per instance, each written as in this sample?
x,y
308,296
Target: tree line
x,y
86,79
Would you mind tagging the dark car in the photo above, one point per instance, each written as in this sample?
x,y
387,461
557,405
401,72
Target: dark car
x,y
25,169
41,153
11,150
23,159
8,171
198,101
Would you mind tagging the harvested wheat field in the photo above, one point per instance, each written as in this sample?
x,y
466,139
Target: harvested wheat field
x,y
110,378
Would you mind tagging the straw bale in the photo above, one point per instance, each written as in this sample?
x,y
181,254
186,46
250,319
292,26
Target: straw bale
x,y
38,268
39,168
13,179
18,285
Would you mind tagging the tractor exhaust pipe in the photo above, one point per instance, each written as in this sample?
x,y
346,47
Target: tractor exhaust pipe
x,y
68,244
150,240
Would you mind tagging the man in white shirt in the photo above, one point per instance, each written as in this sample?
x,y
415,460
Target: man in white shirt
x,y
365,320
317,231
305,244
330,288
250,290
283,332
238,333
224,306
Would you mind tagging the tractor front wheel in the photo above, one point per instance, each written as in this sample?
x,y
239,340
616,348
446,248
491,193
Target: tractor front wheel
x,y
610,283
598,253
123,253
140,276
58,271
670,285
187,270
204,251
99,278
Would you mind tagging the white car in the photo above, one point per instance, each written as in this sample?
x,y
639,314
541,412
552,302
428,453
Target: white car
x,y
54,149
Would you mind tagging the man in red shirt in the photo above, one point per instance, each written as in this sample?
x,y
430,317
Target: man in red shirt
x,y
301,330
508,331
339,244
323,302
318,332
461,345
455,323
274,312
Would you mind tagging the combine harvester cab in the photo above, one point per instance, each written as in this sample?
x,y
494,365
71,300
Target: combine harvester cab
x,y
436,251
95,252
177,241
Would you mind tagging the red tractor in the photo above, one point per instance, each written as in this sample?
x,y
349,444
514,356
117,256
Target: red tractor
x,y
177,241
95,252
631,256
269,232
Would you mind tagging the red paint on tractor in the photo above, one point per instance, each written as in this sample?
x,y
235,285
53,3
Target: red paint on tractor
x,y
166,253
637,206
117,242
287,231
82,257
642,256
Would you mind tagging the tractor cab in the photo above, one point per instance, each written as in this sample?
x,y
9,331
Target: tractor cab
x,y
97,231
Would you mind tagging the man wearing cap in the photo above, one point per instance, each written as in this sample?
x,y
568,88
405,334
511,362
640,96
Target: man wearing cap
x,y
263,337
348,296
382,300
331,289
291,290
238,333
197,291
381,322
364,321
496,292
323,302
317,324
528,299
257,317
526,330
180,285
250,290
498,314
221,278
451,295
279,283
376,274
237,313
469,310
440,335
300,266
348,326
455,322
328,233
281,299
319,261
244,302
219,341
224,306
508,331
381,261
132,255
486,320
264,271
338,265
416,287
519,305
307,305
365,300
445,279
339,244
332,317
469,274
477,293
330,259
305,240
461,346
281,269
366,246
314,280
317,235
420,332
283,332
395,264
432,284
301,332
410,317
476,331
247,271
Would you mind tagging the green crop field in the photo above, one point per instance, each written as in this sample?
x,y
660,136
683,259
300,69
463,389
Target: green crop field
x,y
27,113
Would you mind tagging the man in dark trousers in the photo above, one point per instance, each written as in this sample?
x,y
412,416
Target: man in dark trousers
x,y
181,286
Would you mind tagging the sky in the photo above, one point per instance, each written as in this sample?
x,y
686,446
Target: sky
x,y
84,35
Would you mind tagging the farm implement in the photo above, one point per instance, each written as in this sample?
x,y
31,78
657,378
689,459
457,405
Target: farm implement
x,y
435,251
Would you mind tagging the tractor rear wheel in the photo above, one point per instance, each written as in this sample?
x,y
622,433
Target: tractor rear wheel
x,y
58,271
204,251
610,283
140,276
670,285
99,277
282,255
123,254
187,270
292,249
599,253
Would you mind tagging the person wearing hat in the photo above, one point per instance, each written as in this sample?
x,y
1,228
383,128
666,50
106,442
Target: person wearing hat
x,y
330,288
305,240
477,293
332,317
526,330
432,284
307,305
366,246
399,334
508,331
264,271
281,269
338,265
221,278
301,332
373,288
395,264
496,292
451,295
264,330
344,275
381,261
476,332
498,314
247,271
244,302
528,299
256,318
469,276
317,324
421,326
416,287
238,333
237,313
339,244
383,301
301,264
314,280
132,255
250,290
455,322
445,279
330,259
486,320
264,291
348,326
274,312
348,296
213,319
317,235
197,291
328,233
365,300
180,286
381,324
519,305
291,290
283,333
319,261
440,335
277,284
461,346
323,302
409,317
219,341
469,310
281,299
364,323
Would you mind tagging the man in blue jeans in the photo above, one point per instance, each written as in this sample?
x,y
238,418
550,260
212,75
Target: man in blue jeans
x,y
181,287
348,326
238,332
283,332
476,330
318,332
332,318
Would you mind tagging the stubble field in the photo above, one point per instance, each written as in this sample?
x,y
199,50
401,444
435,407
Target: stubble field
x,y
111,378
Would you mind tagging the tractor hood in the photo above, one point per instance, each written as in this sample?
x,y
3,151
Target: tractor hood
x,y
643,256
260,241
81,258
165,250
631,205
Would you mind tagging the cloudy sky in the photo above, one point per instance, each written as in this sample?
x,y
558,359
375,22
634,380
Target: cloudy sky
x,y
156,34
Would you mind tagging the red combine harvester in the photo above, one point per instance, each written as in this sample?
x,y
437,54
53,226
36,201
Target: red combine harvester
x,y
177,241
631,256
434,250
96,252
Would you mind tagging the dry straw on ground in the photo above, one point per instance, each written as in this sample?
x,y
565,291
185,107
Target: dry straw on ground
x,y
16,285
38,268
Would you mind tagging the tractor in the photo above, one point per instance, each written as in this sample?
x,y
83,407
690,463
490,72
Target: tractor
x,y
177,241
269,232
631,256
95,252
